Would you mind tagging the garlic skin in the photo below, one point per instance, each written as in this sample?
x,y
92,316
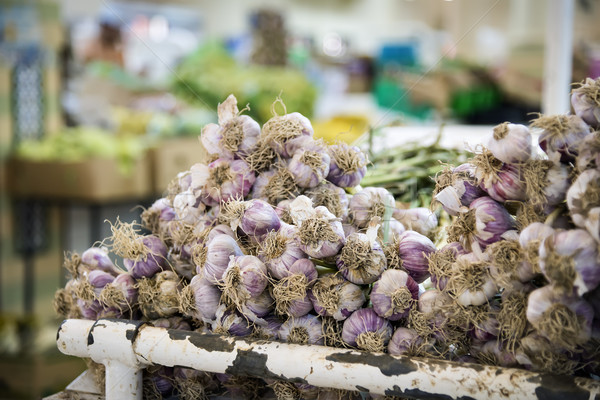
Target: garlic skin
x,y
585,102
367,331
230,322
394,294
569,260
153,261
259,218
97,258
507,185
456,188
219,251
566,320
413,249
419,219
583,204
368,203
470,282
206,298
328,195
188,208
404,342
511,143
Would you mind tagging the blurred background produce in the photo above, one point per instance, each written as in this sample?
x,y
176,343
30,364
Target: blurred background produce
x,y
116,92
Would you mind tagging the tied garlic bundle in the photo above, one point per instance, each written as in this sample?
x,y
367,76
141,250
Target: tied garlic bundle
x,y
272,238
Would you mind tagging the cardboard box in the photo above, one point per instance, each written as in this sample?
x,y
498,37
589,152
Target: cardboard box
x,y
94,180
173,156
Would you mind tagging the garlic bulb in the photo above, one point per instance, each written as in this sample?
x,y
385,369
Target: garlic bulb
x,y
566,320
254,217
367,330
200,299
303,330
279,250
321,233
348,165
334,296
405,341
159,296
569,260
282,128
230,322
368,203
510,143
394,294
222,180
419,219
470,282
309,165
236,135
456,188
362,259
413,250
218,254
97,258
188,208
331,197
583,201
244,278
275,185
562,134
586,101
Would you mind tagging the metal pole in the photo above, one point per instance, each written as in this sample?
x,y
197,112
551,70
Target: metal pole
x,y
558,58
315,365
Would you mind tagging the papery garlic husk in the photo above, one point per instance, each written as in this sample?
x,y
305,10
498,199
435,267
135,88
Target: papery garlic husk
x,y
546,183
258,307
235,136
98,258
470,282
188,207
368,203
585,100
456,188
200,299
440,263
159,296
367,331
508,184
569,260
158,218
279,250
244,278
254,217
275,185
303,330
510,143
309,165
589,153
419,219
484,223
583,200
222,180
562,134
405,341
321,233
413,250
218,253
566,320
283,211
334,296
282,128
348,165
362,259
230,323
331,197
394,294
